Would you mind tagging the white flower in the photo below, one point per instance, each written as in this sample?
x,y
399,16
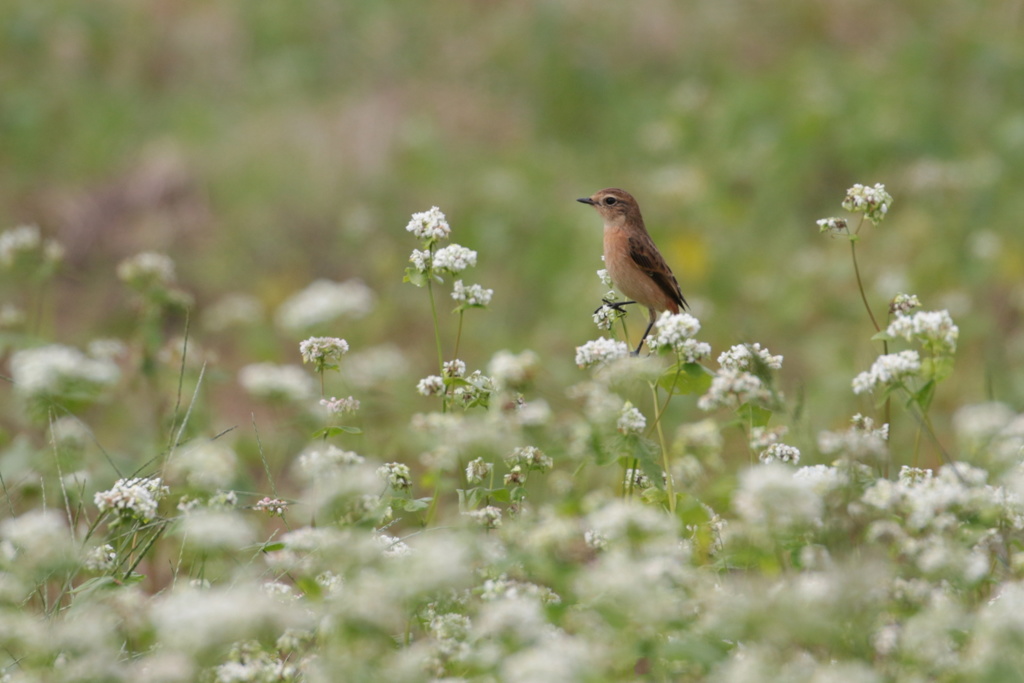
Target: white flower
x,y
780,452
873,202
902,304
477,471
509,369
315,465
605,316
397,475
631,420
676,332
453,259
147,268
206,465
133,498
421,260
529,457
860,441
336,406
324,301
933,329
831,224
773,494
740,357
605,278
888,369
322,350
57,370
471,295
488,517
430,386
600,351
731,388
454,368
429,225
279,382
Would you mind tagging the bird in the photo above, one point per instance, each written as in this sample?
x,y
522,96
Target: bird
x,y
634,263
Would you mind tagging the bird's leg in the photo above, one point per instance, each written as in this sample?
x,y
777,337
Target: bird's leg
x,y
639,346
617,305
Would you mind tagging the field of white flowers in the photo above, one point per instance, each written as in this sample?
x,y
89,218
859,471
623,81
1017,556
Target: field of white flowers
x,y
511,541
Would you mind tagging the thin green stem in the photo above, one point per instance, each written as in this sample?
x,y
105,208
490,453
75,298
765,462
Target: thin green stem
x,y
860,285
665,463
458,335
437,327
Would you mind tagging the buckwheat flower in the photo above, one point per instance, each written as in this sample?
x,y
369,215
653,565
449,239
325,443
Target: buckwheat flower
x,y
595,539
397,475
453,259
275,507
934,330
277,382
515,477
57,371
763,437
216,530
731,388
102,558
489,517
606,316
146,270
323,352
636,478
780,452
886,370
861,441
375,367
35,540
741,357
477,471
631,421
873,202
529,457
431,385
320,463
203,464
133,499
453,368
16,241
322,302
902,304
600,352
512,370
340,406
831,224
772,494
429,226
421,260
471,295
671,329
605,278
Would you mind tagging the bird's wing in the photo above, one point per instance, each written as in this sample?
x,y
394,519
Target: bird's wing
x,y
646,256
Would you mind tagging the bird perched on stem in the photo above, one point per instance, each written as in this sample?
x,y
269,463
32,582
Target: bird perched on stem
x,y
635,265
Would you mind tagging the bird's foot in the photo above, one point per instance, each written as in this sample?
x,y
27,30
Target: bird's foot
x,y
616,305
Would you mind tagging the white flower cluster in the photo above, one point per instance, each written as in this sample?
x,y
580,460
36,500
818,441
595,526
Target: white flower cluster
x,y
322,350
606,315
488,516
831,224
453,368
631,421
600,352
338,406
316,464
774,495
453,259
902,304
323,301
780,452
731,388
934,330
862,441
133,499
741,357
529,457
675,332
431,385
147,269
889,369
397,475
429,225
471,295
56,370
25,241
873,202
512,370
277,382
478,470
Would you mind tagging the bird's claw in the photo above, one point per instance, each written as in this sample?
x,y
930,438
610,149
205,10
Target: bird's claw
x,y
615,305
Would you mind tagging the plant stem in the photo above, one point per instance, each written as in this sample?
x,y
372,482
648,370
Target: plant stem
x,y
437,328
665,464
860,286
458,336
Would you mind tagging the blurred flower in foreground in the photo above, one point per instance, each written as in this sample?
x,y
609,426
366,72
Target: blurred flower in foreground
x,y
23,248
324,301
232,310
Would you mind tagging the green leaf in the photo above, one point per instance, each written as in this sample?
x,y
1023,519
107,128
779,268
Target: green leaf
x,y
923,396
686,379
882,336
335,430
272,547
411,504
754,416
415,277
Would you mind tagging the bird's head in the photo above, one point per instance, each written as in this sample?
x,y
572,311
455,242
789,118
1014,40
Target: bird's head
x,y
615,206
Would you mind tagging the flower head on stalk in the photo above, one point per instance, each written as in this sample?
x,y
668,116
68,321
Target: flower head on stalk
x,y
323,352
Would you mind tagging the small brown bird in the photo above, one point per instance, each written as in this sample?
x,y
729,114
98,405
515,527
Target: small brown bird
x,y
635,265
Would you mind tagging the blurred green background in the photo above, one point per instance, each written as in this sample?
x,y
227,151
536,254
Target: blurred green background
x,y
266,144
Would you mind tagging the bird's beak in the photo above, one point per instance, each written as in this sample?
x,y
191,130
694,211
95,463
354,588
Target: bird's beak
x,y
586,200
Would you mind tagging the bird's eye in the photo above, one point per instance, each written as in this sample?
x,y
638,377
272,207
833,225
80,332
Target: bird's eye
x,y
610,201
